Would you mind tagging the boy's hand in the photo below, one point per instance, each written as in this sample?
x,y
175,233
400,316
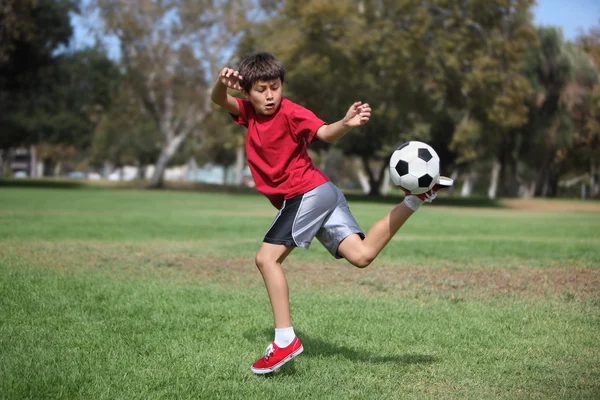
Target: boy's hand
x,y
358,114
230,78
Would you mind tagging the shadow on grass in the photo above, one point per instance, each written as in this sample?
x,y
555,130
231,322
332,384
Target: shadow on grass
x,y
42,183
314,347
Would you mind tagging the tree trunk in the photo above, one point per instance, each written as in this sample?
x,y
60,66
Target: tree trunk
x,y
553,182
141,171
3,161
545,186
107,169
33,161
513,180
363,179
48,166
508,175
541,187
454,177
165,156
468,183
225,174
192,170
385,183
384,172
494,177
527,189
57,168
594,184
550,182
373,181
240,160
330,164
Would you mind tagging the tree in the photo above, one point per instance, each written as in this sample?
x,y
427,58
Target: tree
x,y
338,52
419,64
125,135
172,51
583,98
552,69
49,93
479,47
17,25
31,33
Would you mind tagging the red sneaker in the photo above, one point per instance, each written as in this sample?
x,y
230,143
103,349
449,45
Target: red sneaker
x,y
442,183
275,357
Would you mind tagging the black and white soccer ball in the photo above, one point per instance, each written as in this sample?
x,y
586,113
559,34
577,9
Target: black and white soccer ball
x,y
415,167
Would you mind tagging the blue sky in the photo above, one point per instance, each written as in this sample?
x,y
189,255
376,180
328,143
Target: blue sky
x,y
570,15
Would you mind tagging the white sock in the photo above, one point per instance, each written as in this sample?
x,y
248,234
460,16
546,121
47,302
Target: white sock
x,y
284,336
412,202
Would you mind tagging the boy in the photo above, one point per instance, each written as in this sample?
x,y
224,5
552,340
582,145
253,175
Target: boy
x,y
309,204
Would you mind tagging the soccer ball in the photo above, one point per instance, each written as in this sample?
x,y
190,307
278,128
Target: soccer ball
x,y
415,167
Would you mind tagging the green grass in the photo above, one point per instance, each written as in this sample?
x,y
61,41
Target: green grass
x,y
133,294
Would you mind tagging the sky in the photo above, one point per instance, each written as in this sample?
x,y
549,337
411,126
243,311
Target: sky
x,y
571,16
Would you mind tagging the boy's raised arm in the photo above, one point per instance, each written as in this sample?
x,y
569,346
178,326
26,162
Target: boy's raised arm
x,y
228,78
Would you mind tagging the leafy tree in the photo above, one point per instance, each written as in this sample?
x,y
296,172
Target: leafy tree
x,y
17,26
172,51
76,91
340,52
125,135
478,48
584,102
31,32
436,70
51,96
560,74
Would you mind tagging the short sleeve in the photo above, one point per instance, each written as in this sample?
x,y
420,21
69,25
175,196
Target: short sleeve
x,y
245,107
305,123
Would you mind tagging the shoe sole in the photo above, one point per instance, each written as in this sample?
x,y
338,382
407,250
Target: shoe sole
x,y
277,366
445,182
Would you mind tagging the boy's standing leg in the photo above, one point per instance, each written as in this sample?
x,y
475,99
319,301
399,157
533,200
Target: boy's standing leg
x,y
268,260
286,345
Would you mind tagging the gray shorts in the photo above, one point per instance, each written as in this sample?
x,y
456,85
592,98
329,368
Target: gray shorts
x,y
322,213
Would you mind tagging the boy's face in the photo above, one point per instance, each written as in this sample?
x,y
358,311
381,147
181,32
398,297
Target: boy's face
x,y
265,96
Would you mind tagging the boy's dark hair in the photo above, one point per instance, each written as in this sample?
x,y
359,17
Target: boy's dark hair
x,y
260,67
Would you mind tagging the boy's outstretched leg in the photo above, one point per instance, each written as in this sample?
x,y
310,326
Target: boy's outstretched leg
x,y
361,252
286,345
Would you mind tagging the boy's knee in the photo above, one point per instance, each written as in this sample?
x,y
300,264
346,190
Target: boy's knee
x,y
261,261
362,261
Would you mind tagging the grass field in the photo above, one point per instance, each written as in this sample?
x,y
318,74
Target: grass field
x,y
132,294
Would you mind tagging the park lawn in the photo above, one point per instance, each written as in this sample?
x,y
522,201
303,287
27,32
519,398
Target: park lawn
x,y
123,294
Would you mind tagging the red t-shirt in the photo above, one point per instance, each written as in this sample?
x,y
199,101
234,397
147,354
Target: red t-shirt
x,y
276,150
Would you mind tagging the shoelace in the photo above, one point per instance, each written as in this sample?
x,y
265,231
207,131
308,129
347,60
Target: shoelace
x,y
430,197
269,352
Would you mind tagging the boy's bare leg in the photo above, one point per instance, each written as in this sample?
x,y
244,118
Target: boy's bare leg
x,y
361,253
268,260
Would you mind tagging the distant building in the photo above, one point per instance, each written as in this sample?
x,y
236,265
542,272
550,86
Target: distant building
x,y
24,163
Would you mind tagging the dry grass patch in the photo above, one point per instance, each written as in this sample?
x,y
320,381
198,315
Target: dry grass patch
x,y
551,205
188,261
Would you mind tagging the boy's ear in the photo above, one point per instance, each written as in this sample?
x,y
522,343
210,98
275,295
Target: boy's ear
x,y
245,94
